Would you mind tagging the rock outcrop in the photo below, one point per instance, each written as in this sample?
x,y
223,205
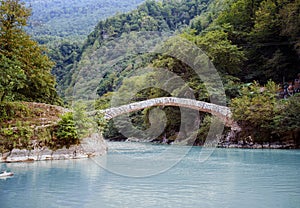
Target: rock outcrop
x,y
89,147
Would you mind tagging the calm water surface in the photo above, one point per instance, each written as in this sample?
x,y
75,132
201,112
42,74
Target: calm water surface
x,y
229,178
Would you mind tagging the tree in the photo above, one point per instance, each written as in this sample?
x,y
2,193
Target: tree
x,y
239,14
256,110
290,24
12,76
25,69
227,57
266,21
274,52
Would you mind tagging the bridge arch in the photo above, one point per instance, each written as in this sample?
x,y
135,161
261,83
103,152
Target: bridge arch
x,y
222,112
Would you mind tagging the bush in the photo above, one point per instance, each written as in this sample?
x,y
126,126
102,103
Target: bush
x,y
65,133
256,111
290,116
12,110
17,137
74,126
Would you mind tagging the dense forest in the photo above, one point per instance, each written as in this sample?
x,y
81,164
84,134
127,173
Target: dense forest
x,y
62,26
163,16
257,50
253,44
73,19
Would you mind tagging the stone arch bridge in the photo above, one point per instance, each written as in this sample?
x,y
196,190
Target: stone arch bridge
x,y
222,112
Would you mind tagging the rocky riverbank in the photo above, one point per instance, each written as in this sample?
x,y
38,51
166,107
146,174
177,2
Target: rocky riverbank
x,y
31,133
89,147
265,145
233,139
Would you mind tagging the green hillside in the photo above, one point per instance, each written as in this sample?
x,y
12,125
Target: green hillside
x,y
72,18
64,25
162,16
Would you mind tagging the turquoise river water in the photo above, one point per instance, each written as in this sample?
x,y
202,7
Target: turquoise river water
x,y
227,178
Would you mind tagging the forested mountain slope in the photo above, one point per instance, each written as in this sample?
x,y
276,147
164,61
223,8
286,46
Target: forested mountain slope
x,y
159,16
63,25
72,18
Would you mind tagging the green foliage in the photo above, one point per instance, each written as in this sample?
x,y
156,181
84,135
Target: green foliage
x,y
262,116
207,19
269,32
168,14
203,130
172,116
74,126
239,14
107,83
232,87
12,110
227,57
21,124
266,20
84,124
150,16
25,70
205,125
104,101
256,110
242,38
18,137
290,115
72,18
6,140
65,54
102,123
112,133
290,24
264,31
185,72
65,134
12,77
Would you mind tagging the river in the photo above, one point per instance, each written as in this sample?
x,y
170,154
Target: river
x,y
226,178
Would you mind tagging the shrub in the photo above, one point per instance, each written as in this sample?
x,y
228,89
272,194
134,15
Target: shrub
x,y
256,110
12,110
17,137
65,133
